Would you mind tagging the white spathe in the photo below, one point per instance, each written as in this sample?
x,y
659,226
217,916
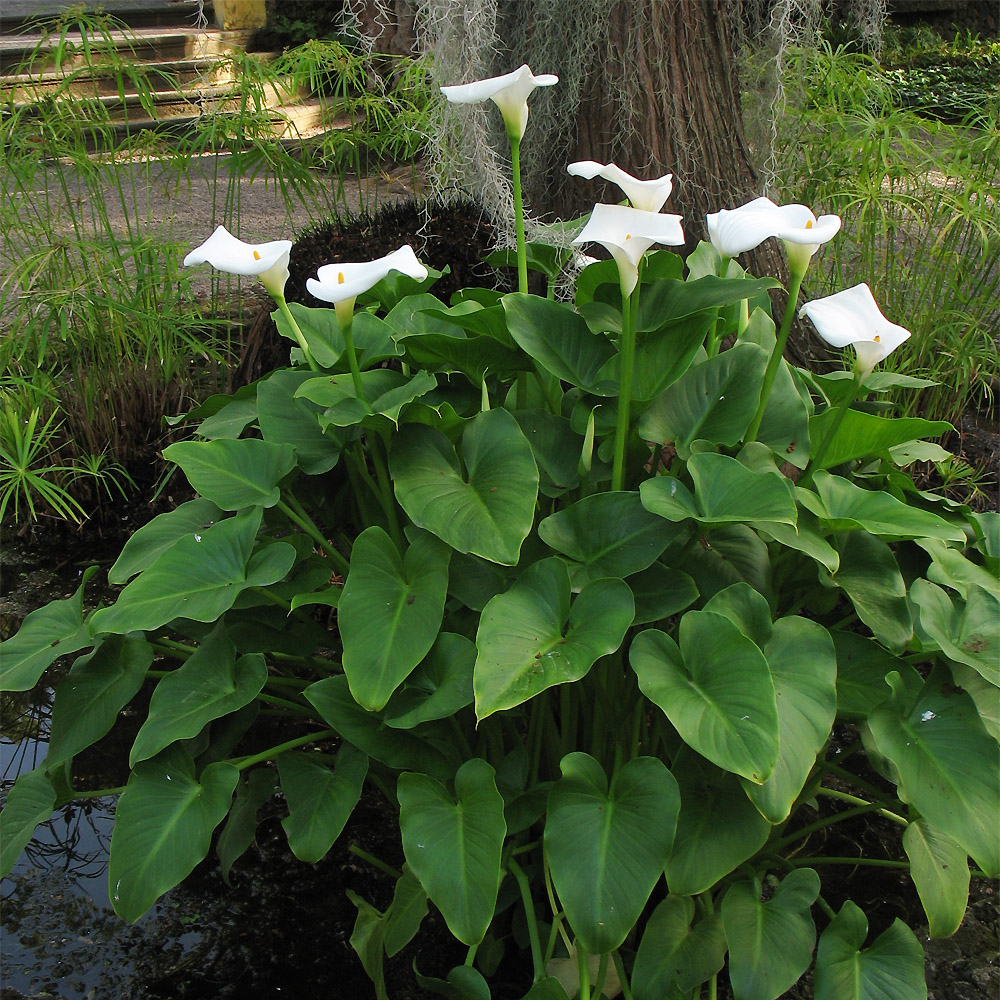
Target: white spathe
x,y
266,261
509,93
342,282
627,233
853,318
734,231
649,196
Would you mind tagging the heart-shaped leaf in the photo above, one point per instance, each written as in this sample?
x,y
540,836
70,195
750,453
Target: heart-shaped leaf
x,y
726,492
803,664
89,698
675,958
947,765
211,683
29,803
967,631
940,871
199,577
770,943
714,400
609,534
234,473
406,914
453,845
287,419
487,512
154,538
716,689
892,968
660,592
607,847
253,790
163,827
670,300
530,639
320,799
439,687
860,435
390,612
728,554
44,635
559,340
718,827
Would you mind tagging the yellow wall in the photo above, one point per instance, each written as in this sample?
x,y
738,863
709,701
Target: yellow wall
x,y
232,14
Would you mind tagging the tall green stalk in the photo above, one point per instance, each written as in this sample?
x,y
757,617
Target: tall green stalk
x,y
630,309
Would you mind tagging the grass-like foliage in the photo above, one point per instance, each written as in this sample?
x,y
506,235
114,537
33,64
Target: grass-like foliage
x,y
918,197
583,596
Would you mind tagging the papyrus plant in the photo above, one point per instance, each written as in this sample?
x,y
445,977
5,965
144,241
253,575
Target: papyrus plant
x,y
604,715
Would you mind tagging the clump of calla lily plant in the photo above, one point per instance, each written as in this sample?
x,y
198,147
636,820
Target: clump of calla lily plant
x,y
582,596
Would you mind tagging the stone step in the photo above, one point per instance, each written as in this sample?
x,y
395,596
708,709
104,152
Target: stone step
x,y
17,14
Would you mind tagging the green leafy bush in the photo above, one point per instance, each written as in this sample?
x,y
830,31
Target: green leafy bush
x,y
601,593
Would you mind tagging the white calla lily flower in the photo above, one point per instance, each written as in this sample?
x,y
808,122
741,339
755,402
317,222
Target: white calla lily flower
x,y
736,230
804,233
648,196
627,233
509,93
852,318
266,261
342,282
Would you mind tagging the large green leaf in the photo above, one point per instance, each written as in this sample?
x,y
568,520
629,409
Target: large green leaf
x,y
967,631
287,419
320,799
44,636
609,534
716,689
675,957
89,698
390,612
663,357
803,665
862,666
718,827
669,300
234,473
951,569
948,765
891,969
29,803
399,749
486,511
714,400
199,577
474,356
842,506
453,845
530,639
163,827
254,789
556,447
770,943
726,492
660,592
560,341
439,687
154,538
728,554
869,575
211,683
940,871
863,434
368,941
405,915
607,847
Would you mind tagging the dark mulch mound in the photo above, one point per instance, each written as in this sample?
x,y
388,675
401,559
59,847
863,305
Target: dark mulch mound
x,y
457,235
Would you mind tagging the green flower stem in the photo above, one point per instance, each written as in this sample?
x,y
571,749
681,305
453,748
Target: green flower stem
x,y
357,472
380,459
269,595
521,400
832,793
622,978
97,793
816,461
522,254
844,774
346,319
470,955
529,912
165,650
359,852
584,969
826,908
300,339
805,831
306,524
860,862
630,308
557,913
602,975
179,647
243,763
779,351
286,705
